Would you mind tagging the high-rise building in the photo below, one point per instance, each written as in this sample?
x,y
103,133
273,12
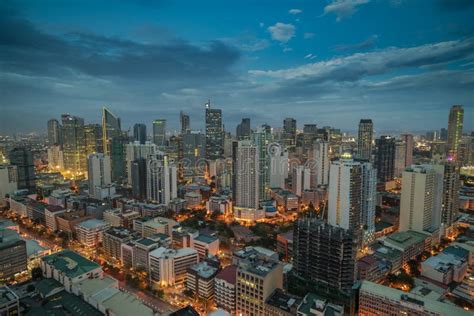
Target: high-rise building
x,y
455,124
385,158
247,175
136,150
74,147
111,128
257,278
421,198
22,158
262,138
450,203
364,140
99,174
320,163
289,133
443,134
13,257
8,180
369,200
324,253
185,122
214,133
310,134
300,180
139,133
193,154
345,195
54,132
93,139
55,158
352,198
138,178
243,129
117,157
400,156
161,179
159,133
408,141
278,165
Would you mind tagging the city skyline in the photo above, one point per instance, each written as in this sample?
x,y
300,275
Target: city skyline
x,y
296,59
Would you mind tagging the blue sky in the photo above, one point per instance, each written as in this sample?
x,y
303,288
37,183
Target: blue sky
x,y
402,63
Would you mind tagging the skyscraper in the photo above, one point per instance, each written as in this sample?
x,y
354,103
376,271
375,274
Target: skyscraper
x,y
22,158
139,133
135,151
214,133
364,140
345,194
138,178
420,202
185,122
289,132
159,133
194,147
408,141
450,203
385,158
117,156
74,149
54,132
110,128
99,174
247,175
262,138
324,253
243,129
93,139
320,163
300,179
161,179
400,157
278,166
443,134
455,124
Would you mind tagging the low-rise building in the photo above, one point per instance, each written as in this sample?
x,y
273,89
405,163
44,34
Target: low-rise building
x,y
9,302
200,280
281,304
149,226
50,213
285,245
444,268
372,269
112,240
376,299
314,305
90,232
409,243
119,218
206,245
224,284
169,266
257,278
69,268
13,255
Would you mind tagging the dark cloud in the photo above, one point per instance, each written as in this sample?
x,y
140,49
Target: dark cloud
x,y
26,49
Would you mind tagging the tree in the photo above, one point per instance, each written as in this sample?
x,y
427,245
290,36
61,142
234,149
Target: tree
x,y
188,293
30,288
36,273
159,293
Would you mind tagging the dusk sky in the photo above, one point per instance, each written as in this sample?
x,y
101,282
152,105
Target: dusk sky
x,y
402,63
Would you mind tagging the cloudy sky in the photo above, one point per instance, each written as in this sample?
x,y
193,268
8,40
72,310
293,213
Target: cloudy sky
x,y
402,63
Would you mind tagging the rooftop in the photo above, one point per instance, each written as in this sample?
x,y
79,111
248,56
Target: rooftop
x,y
47,285
70,263
283,301
92,224
426,303
7,295
124,304
206,239
185,311
65,303
229,274
119,232
203,270
406,239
